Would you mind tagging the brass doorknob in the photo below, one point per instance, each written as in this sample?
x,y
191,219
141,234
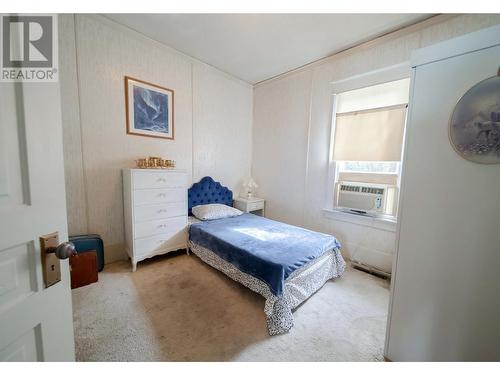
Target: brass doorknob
x,y
63,251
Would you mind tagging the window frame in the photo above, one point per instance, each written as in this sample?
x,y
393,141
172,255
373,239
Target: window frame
x,y
391,73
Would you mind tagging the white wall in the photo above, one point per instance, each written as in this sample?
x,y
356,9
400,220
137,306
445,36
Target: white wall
x,y
291,132
281,115
445,300
213,120
222,127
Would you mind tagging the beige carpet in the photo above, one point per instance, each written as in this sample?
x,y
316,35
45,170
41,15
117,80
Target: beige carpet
x,y
176,308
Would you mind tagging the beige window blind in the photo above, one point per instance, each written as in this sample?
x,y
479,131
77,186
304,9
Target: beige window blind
x,y
370,135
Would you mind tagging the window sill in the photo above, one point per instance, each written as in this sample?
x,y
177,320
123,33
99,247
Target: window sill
x,y
381,223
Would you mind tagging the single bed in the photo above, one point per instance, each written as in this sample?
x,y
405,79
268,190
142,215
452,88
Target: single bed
x,y
283,263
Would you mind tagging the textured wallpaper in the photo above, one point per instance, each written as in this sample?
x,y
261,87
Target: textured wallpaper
x,y
291,131
213,120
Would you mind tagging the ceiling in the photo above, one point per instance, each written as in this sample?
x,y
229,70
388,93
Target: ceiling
x,y
256,47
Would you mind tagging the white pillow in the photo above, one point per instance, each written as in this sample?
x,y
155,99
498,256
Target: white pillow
x,y
214,211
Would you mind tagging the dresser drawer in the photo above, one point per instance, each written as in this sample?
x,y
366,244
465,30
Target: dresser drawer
x,y
162,211
156,227
159,196
252,206
158,180
160,243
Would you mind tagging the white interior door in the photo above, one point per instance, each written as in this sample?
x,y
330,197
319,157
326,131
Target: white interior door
x,y
35,321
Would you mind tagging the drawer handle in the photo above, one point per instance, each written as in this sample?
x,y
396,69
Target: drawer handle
x,y
161,210
161,179
160,241
162,226
162,195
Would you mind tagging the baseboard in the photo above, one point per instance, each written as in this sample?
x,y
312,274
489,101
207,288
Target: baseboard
x,y
370,269
114,253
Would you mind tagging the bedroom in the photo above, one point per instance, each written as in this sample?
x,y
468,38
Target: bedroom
x,y
158,115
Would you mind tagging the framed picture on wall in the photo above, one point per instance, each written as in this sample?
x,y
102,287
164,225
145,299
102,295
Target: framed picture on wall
x,y
149,109
475,123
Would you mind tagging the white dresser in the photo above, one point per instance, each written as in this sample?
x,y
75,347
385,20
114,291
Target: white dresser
x,y
155,207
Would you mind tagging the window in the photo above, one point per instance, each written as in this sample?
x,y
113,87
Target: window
x,y
367,140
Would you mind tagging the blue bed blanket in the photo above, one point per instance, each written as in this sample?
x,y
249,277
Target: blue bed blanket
x,y
264,248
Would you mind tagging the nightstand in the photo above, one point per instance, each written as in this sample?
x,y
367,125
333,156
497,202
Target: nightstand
x,y
254,205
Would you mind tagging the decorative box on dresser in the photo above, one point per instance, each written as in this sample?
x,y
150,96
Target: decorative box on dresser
x,y
155,207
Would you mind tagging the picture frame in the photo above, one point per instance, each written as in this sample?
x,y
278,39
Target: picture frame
x,y
149,109
474,127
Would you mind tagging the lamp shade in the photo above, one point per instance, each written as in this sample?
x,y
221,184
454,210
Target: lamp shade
x,y
251,184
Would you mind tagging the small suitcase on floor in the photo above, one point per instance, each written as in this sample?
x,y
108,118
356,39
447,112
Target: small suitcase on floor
x,y
83,269
89,242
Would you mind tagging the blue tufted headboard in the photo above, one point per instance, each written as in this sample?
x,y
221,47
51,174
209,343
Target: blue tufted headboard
x,y
208,191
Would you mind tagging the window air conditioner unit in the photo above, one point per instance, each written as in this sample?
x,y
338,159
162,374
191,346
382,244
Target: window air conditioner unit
x,y
366,198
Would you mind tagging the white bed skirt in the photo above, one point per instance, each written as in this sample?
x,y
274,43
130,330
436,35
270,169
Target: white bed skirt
x,y
299,286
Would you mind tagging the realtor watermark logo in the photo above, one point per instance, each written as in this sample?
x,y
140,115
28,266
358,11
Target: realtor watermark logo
x,y
29,48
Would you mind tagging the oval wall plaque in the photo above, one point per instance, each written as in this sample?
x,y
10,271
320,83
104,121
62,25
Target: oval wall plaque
x,y
475,123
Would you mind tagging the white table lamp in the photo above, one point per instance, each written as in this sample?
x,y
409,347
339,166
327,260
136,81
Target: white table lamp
x,y
250,187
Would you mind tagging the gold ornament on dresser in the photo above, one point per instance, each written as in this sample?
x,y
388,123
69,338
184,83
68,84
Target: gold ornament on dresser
x,y
154,162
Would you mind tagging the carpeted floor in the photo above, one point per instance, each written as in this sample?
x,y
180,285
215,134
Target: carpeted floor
x,y
176,308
